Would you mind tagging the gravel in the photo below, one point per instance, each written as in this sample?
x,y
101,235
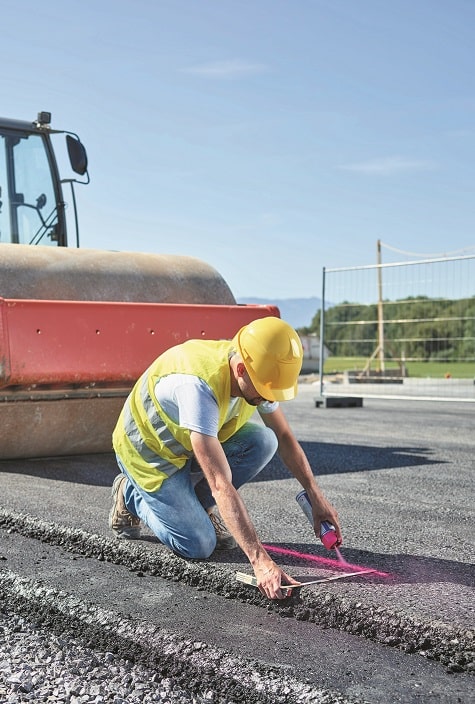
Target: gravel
x,y
56,648
38,666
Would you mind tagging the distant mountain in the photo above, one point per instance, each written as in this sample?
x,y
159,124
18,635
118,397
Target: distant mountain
x,y
299,312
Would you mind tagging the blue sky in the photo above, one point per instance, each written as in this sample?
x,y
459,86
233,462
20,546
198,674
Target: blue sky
x,y
269,138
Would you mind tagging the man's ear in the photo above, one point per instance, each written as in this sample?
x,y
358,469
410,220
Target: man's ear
x,y
241,369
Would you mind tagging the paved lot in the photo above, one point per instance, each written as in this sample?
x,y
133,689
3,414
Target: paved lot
x,y
401,476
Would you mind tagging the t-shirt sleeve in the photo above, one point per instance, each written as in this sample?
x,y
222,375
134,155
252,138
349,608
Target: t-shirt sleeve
x,y
189,401
267,407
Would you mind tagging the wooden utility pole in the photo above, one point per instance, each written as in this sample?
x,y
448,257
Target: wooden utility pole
x,y
380,311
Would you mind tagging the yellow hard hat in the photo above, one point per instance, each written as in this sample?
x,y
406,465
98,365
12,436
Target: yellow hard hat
x,y
272,354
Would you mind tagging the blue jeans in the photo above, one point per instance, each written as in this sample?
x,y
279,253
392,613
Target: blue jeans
x,y
176,513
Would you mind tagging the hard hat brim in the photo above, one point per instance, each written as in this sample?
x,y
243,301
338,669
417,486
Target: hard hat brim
x,y
274,394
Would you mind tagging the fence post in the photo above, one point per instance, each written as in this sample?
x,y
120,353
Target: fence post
x,y
322,331
380,312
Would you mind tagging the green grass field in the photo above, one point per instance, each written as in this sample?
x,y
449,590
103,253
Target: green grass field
x,y
434,370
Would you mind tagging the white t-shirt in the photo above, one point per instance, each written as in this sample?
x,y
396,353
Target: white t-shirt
x,y
190,402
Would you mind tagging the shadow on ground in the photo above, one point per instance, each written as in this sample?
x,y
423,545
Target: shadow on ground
x,y
325,458
94,470
333,458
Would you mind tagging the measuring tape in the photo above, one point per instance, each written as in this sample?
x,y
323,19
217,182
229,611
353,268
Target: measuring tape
x,y
250,579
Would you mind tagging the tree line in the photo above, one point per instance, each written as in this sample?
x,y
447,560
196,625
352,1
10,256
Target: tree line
x,y
417,327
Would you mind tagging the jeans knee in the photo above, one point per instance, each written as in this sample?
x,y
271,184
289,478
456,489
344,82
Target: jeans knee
x,y
266,445
199,548
271,442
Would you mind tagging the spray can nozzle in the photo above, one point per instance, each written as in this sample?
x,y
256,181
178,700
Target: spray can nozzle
x,y
327,530
328,535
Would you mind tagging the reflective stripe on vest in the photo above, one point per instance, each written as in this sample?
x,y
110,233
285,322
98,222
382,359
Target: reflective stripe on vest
x,y
161,430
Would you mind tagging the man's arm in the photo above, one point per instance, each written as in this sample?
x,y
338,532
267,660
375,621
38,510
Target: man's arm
x,y
296,461
212,459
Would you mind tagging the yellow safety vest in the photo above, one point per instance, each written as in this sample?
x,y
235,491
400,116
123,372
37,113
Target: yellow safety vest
x,y
150,445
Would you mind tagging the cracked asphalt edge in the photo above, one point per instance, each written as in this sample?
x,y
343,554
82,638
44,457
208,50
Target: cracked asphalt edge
x,y
436,640
192,664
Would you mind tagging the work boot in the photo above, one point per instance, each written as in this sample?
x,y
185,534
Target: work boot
x,y
224,539
124,524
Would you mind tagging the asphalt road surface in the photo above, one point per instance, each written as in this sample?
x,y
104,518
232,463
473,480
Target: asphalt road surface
x,y
401,476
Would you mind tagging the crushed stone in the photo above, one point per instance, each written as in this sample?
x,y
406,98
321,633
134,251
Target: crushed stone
x,y
56,648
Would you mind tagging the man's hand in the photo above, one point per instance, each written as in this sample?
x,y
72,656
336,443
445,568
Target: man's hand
x,y
322,510
270,578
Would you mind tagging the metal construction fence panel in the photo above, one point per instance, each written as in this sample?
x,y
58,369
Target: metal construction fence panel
x,y
403,330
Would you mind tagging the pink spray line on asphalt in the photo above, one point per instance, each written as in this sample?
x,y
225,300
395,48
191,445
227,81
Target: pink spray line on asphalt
x,y
323,561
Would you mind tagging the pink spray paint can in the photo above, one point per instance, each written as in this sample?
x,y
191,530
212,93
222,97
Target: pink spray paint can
x,y
327,530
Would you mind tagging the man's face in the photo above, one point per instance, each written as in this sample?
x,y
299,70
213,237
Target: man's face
x,y
248,390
